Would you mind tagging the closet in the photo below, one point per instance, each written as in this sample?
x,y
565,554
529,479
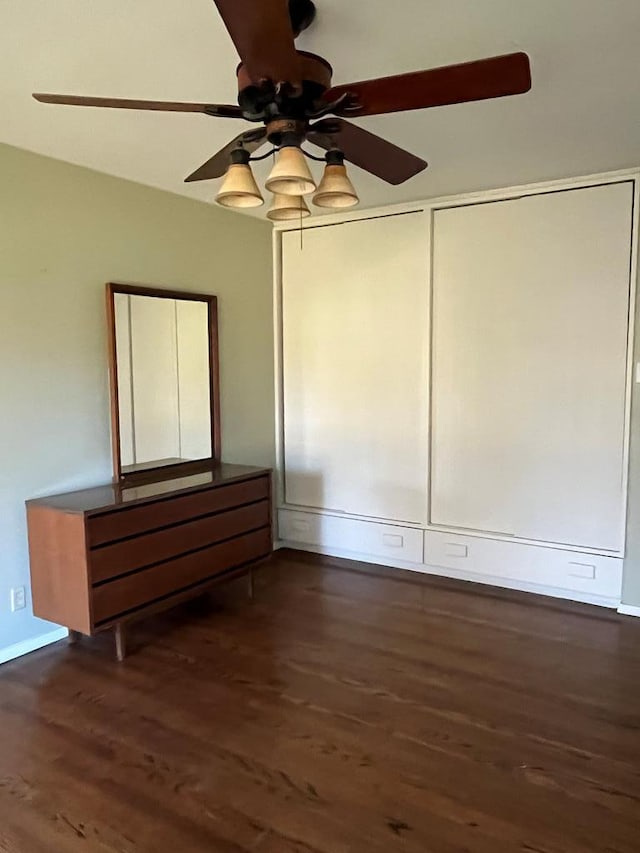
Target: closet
x,y
454,388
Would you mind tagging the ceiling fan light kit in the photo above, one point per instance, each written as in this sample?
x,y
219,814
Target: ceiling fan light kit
x,y
290,174
288,207
239,188
291,94
336,190
290,178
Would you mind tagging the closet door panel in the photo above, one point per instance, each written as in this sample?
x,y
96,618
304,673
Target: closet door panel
x,y
355,320
530,320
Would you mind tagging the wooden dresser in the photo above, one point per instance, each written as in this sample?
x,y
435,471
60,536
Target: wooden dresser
x,y
104,556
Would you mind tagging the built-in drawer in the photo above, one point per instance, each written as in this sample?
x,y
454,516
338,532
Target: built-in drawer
x,y
144,587
112,560
385,541
130,521
587,574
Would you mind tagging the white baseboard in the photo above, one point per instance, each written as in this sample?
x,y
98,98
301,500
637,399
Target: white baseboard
x,y
488,580
30,645
629,610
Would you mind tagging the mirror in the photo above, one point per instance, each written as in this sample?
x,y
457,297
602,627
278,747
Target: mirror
x,y
164,379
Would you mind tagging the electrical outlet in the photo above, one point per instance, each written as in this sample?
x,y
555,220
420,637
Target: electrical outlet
x,y
18,598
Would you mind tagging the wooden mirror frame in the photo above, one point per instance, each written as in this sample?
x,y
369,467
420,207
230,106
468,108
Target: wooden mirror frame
x,y
181,468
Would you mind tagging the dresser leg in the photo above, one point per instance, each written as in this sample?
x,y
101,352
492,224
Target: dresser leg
x,y
121,641
74,637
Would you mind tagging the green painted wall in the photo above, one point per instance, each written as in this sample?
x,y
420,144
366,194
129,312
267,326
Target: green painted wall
x,y
64,232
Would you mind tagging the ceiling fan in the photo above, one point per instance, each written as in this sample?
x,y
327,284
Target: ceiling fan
x,y
289,92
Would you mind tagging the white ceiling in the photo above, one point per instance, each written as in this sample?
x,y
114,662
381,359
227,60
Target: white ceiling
x,y
582,116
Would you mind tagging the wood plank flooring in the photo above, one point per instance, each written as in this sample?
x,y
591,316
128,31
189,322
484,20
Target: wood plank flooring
x,y
344,710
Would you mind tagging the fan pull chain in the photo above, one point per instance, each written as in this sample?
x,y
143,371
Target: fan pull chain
x,y
300,227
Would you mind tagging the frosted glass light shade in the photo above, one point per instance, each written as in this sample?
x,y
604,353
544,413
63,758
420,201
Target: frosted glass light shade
x,y
239,188
285,207
290,174
335,190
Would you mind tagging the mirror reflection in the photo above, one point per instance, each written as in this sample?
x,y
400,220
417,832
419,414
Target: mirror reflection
x,y
163,370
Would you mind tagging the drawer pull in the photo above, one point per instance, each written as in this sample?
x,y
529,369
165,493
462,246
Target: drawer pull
x,y
455,549
582,570
392,540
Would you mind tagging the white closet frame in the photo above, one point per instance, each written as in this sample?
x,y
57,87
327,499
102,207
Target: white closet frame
x,y
430,206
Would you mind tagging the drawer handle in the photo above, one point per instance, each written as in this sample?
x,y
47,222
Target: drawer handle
x,y
455,549
392,540
582,570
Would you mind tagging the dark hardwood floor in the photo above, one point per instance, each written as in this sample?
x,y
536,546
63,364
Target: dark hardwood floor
x,y
342,711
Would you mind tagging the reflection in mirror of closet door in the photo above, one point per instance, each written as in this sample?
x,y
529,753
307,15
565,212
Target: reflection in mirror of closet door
x,y
125,383
530,324
194,395
155,379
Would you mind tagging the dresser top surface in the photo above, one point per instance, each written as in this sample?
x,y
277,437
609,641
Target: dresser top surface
x,y
113,495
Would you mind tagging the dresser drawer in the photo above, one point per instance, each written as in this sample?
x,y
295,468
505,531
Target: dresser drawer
x,y
125,522
148,585
386,541
130,554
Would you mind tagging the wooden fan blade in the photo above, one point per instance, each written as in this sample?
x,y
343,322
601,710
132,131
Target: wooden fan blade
x,y
221,110
366,150
262,34
496,77
217,165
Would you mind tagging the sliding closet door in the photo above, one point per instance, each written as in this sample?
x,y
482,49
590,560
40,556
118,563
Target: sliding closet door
x,y
530,313
355,320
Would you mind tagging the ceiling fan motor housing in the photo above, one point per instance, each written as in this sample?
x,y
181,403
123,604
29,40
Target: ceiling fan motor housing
x,y
270,101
